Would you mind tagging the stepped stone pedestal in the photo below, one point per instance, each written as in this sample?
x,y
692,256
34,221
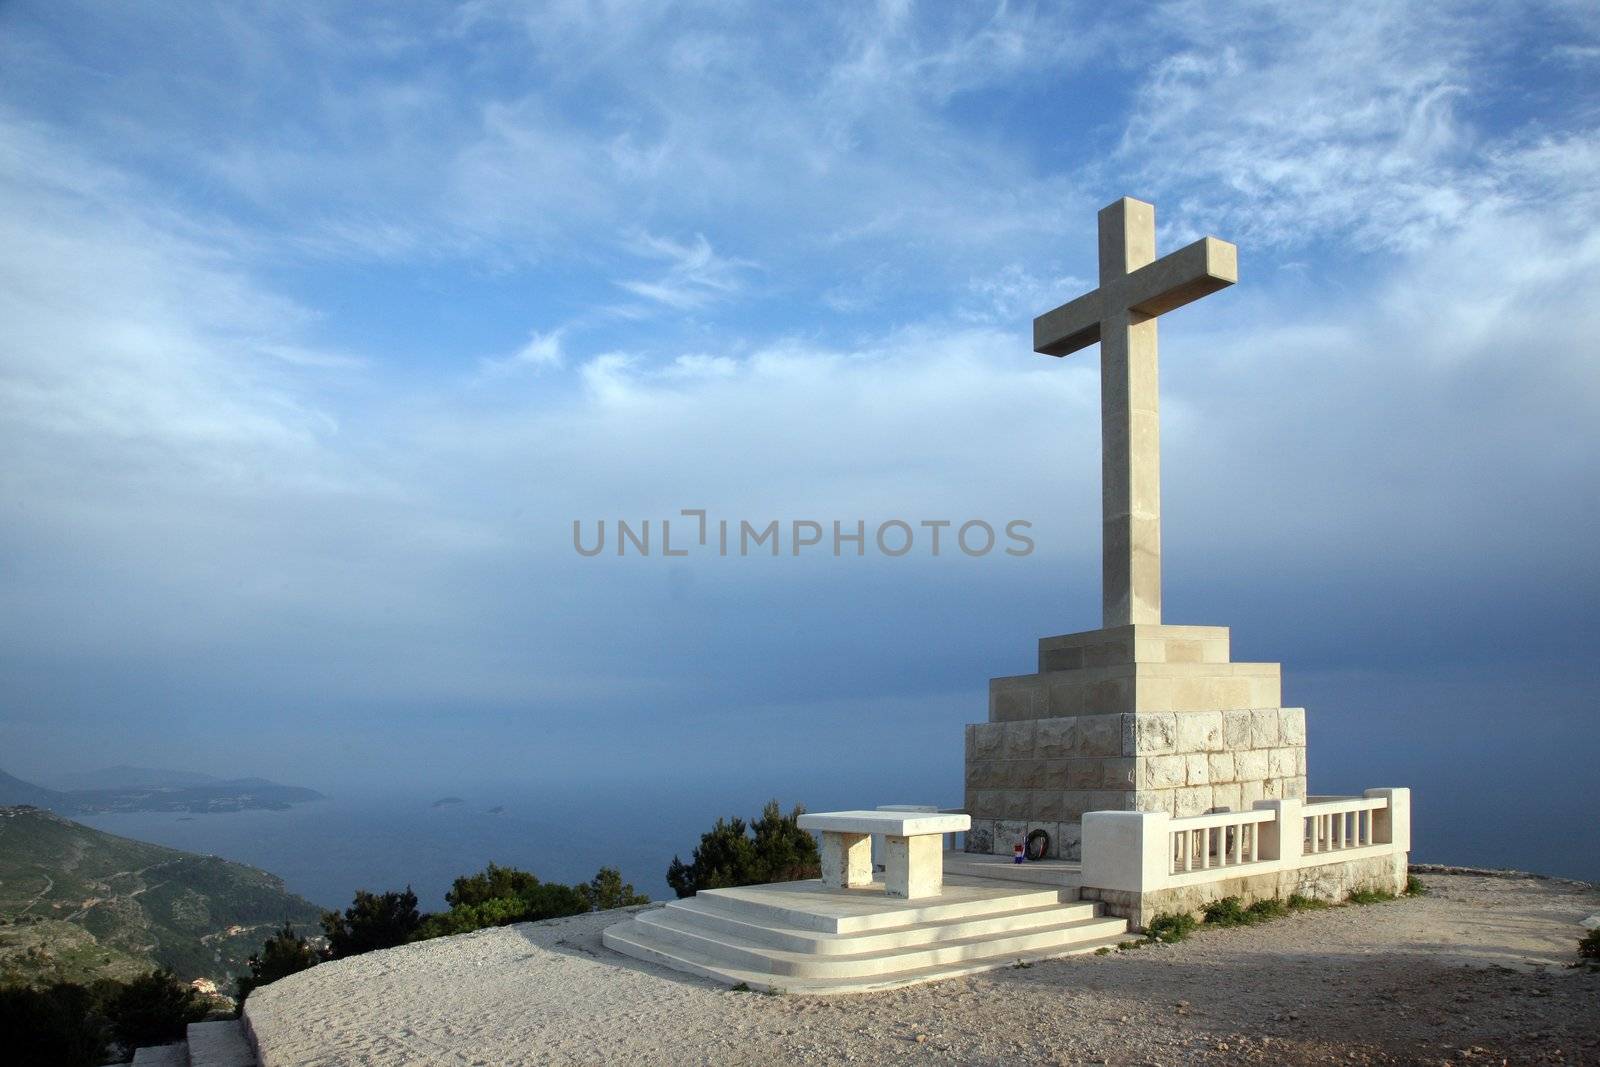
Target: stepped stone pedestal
x,y
807,937
1128,718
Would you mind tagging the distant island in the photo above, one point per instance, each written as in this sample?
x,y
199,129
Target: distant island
x,y
128,789
77,904
445,801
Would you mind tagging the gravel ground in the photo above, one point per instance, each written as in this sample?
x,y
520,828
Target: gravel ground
x,y
1478,971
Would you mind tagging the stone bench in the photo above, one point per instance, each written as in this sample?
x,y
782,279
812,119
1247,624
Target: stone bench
x,y
913,848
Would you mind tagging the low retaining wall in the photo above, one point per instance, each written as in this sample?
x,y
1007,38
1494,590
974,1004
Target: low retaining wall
x,y
1141,864
1326,881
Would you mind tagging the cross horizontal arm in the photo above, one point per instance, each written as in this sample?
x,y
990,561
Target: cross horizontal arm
x,y
1180,277
1154,289
1071,326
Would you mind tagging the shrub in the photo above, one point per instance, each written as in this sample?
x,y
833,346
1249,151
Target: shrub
x,y
499,896
1297,902
54,1026
1414,886
1170,927
1225,912
772,849
607,890
785,852
492,883
372,921
283,954
1589,945
551,900
724,857
1368,896
1229,912
154,1009
1265,910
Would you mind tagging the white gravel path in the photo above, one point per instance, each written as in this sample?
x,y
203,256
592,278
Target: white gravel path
x,y
1478,971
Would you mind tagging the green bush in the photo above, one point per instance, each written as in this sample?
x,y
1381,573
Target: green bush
x,y
55,1026
1170,927
283,954
786,852
772,849
1589,945
607,890
492,883
372,921
1267,909
1225,912
1297,902
154,1009
1229,912
499,896
1368,896
1414,886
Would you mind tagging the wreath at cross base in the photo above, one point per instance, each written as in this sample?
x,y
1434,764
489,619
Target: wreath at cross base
x,y
1038,844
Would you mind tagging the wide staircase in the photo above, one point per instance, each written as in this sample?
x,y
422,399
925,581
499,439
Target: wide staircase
x,y
799,938
215,1044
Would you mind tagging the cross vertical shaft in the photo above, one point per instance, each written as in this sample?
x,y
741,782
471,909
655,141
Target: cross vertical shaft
x,y
1120,315
1130,427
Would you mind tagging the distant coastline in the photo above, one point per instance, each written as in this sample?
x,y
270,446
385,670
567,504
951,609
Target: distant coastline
x,y
118,790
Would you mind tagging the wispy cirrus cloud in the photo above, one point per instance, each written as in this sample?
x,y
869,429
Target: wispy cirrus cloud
x,y
1364,125
695,276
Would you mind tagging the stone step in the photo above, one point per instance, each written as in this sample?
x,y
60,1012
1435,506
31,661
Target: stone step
x,y
175,1055
633,939
870,908
220,1044
710,916
677,929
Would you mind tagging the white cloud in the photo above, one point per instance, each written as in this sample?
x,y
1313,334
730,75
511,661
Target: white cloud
x,y
1355,124
543,351
695,277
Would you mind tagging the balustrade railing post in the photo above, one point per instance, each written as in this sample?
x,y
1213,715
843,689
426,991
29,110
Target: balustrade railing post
x,y
1127,851
1284,837
1391,824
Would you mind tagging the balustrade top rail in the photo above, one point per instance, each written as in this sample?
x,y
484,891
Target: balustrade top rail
x,y
1335,805
1222,818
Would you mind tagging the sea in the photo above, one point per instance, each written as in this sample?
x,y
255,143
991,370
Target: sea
x,y
382,840
327,849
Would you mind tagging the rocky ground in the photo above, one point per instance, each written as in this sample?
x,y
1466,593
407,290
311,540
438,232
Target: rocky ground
x,y
1478,971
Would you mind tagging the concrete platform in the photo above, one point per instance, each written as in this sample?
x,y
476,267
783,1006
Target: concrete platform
x,y
802,937
1064,874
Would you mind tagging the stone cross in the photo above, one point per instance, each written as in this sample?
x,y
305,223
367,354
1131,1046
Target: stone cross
x,y
1135,287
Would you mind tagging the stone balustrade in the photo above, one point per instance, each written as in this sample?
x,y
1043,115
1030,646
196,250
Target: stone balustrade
x,y
1223,839
1334,824
1141,863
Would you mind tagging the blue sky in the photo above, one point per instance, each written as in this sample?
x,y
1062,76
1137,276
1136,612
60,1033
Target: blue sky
x,y
323,323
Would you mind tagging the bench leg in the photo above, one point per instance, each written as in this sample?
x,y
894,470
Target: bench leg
x,y
846,860
913,867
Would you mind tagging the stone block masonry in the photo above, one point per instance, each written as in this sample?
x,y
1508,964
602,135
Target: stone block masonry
x,y
1133,718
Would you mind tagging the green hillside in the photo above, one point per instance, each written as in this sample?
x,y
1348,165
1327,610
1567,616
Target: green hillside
x,y
76,903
